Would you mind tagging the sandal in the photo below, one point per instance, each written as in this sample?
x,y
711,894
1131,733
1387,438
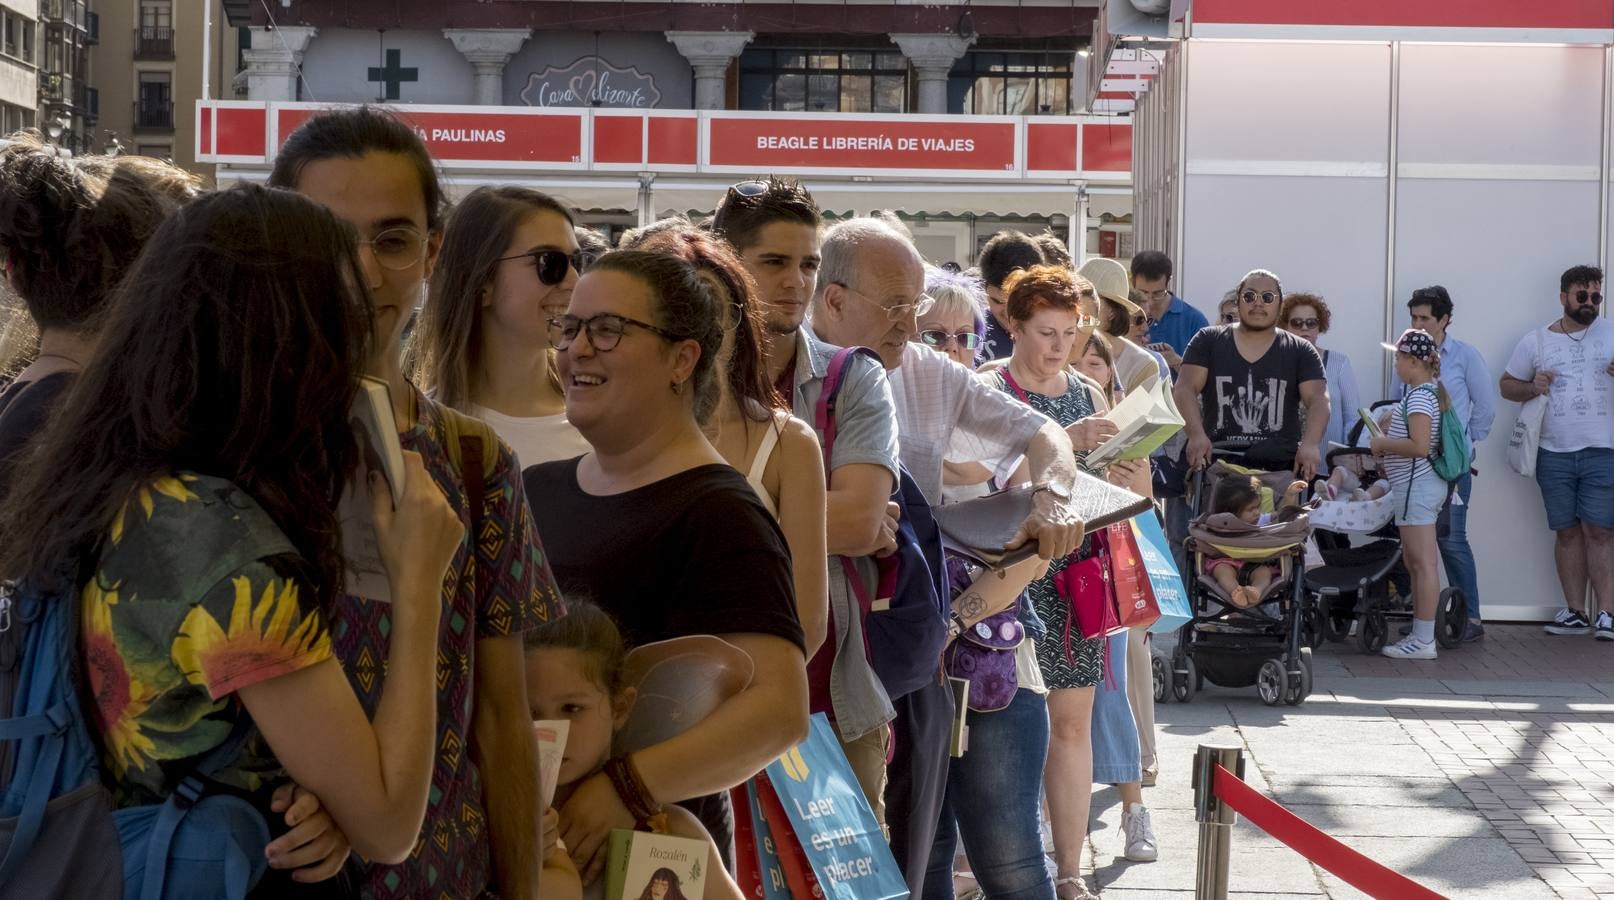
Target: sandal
x,y
1081,887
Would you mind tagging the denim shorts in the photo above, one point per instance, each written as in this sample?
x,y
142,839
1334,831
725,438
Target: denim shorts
x,y
1419,502
1577,487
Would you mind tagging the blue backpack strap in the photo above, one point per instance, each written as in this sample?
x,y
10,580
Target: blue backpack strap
x,y
192,788
51,725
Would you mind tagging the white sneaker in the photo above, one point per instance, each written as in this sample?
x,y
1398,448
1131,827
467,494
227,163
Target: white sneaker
x,y
1605,626
1139,829
1410,648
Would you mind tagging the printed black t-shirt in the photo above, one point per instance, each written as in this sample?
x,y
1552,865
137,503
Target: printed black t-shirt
x,y
1247,403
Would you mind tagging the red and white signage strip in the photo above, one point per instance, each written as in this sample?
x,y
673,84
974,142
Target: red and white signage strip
x,y
708,142
1512,21
972,147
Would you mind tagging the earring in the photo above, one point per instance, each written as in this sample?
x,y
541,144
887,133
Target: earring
x,y
678,388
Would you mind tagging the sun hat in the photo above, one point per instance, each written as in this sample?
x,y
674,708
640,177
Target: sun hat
x,y
1415,342
1110,282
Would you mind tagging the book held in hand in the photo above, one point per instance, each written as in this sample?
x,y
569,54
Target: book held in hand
x,y
638,860
1144,420
551,735
1369,422
376,432
980,528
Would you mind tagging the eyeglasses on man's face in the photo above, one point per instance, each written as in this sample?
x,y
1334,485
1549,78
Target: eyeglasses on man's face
x,y
552,264
918,307
397,248
604,330
942,340
1267,298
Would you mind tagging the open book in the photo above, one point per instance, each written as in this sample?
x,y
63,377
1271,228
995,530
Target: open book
x,y
1369,422
1144,419
376,431
980,528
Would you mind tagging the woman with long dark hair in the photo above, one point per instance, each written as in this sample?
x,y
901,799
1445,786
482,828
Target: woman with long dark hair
x,y
753,428
509,261
660,531
190,482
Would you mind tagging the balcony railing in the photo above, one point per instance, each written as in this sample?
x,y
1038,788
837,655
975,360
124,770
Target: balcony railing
x,y
71,12
154,43
55,88
152,117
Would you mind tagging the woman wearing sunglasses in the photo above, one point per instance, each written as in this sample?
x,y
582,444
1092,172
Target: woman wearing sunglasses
x,y
955,325
1306,317
662,533
509,262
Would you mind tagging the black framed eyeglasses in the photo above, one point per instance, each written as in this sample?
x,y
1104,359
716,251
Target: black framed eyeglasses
x,y
397,248
604,330
1141,319
1229,318
1306,324
1267,298
1592,297
941,340
552,264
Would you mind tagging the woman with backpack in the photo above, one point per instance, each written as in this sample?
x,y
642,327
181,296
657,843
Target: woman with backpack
x,y
1411,436
509,261
183,504
661,532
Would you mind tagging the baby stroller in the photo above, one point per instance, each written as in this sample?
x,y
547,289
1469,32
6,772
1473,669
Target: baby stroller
x,y
1352,590
1238,647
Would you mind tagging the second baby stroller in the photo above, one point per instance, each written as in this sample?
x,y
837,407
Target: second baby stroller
x,y
1231,641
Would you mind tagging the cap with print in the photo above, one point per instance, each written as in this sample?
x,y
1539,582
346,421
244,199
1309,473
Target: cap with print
x,y
1415,342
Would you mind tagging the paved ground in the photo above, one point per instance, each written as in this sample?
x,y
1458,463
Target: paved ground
x,y
1487,773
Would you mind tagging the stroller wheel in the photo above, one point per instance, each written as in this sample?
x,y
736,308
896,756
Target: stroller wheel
x,y
1300,681
1451,617
1373,633
1312,626
1272,684
1161,677
1338,626
1185,680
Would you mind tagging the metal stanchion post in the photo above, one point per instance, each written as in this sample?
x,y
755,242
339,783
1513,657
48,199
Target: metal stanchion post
x,y
1215,819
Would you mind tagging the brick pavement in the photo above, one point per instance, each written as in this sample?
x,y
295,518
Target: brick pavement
x,y
1486,773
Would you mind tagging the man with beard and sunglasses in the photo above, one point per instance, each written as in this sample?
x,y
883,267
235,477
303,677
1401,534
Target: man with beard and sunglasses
x,y
1571,363
1242,386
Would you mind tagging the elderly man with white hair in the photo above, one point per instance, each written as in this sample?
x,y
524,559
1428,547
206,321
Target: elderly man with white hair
x,y
870,292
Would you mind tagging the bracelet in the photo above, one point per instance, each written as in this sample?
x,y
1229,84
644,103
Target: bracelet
x,y
631,789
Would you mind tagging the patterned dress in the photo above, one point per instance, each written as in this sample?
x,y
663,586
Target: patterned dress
x,y
499,584
1074,662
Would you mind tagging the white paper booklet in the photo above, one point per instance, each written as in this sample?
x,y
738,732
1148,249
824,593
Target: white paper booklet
x,y
1144,419
377,433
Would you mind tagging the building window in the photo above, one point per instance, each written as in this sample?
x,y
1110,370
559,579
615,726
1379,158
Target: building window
x,y
15,118
155,151
154,111
156,14
1013,84
823,81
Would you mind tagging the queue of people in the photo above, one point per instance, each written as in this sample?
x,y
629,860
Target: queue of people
x,y
737,428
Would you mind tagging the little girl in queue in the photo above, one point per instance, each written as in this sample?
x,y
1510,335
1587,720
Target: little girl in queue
x,y
1242,498
574,672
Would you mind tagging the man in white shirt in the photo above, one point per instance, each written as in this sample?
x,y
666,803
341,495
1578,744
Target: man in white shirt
x,y
870,292
1571,363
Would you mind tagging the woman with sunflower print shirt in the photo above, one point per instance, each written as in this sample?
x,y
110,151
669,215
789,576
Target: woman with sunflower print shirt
x,y
192,474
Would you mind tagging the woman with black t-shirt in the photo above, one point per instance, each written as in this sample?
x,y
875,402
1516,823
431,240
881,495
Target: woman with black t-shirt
x,y
658,530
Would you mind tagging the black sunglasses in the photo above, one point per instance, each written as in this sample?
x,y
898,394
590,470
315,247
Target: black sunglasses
x,y
1592,297
552,264
1305,323
1267,298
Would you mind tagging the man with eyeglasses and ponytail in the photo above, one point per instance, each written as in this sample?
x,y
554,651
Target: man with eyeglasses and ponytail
x,y
1242,387
1571,363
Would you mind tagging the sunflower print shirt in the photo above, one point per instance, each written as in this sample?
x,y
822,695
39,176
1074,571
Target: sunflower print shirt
x,y
194,597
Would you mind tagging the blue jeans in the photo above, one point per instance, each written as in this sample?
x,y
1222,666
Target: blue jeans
x,y
993,793
1451,530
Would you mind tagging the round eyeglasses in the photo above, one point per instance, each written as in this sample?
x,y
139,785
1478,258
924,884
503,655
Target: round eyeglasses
x,y
397,248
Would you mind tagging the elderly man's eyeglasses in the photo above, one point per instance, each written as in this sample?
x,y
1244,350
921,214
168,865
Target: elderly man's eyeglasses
x,y
552,264
604,330
1267,298
920,305
397,248
941,340
1592,297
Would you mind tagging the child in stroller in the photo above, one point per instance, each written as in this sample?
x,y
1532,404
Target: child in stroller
x,y
1245,583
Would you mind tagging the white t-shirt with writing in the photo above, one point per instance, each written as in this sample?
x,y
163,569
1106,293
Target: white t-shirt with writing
x,y
535,439
1580,406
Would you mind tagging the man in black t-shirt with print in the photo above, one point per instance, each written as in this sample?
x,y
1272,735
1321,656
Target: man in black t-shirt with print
x,y
1243,386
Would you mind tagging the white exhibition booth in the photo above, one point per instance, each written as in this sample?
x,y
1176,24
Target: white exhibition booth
x,y
1362,158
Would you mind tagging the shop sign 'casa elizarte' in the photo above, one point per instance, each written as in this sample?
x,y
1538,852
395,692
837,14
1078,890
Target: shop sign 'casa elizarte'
x,y
591,81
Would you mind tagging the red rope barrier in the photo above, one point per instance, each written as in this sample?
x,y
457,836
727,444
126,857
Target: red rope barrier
x,y
1360,872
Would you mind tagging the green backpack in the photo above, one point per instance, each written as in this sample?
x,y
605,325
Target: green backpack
x,y
1450,462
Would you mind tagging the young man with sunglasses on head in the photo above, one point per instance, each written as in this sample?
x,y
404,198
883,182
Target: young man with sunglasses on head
x,y
1242,386
1571,363
1467,383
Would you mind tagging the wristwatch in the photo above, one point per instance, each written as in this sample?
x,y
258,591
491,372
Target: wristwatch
x,y
955,625
1060,491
